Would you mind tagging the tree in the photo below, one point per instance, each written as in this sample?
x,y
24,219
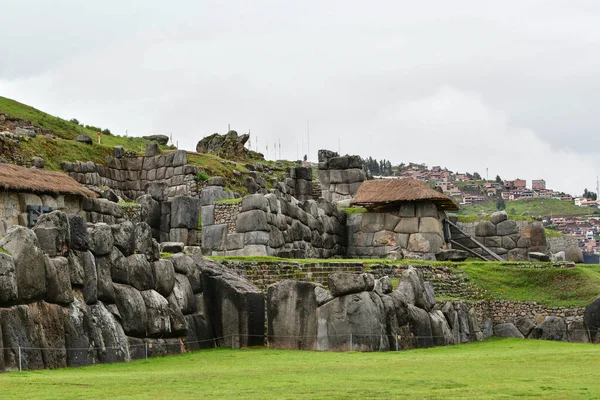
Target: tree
x,y
498,179
476,176
500,204
589,195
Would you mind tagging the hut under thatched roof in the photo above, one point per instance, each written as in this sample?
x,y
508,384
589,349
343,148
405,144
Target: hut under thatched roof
x,y
20,179
388,192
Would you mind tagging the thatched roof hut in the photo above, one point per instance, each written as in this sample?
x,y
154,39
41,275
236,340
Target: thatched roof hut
x,y
382,193
19,179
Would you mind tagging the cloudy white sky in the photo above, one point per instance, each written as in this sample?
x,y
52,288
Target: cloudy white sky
x,y
511,86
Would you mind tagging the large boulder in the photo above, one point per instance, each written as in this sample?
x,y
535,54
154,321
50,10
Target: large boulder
x,y
292,315
411,287
229,146
106,292
160,139
183,295
552,328
22,328
574,254
79,333
164,275
111,341
498,217
53,234
8,280
577,332
58,280
236,308
101,239
451,316
123,237
463,321
525,325
141,274
357,320
440,330
185,212
132,310
22,245
142,241
420,326
149,210
342,283
507,330
158,323
199,332
452,255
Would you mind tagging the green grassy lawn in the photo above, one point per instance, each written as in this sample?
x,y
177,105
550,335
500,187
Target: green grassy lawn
x,y
492,369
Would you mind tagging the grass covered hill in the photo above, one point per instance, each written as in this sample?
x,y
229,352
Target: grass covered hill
x,y
58,144
532,207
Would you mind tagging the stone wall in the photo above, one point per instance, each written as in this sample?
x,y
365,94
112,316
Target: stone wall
x,y
300,183
556,244
130,176
511,240
340,177
415,227
273,226
76,294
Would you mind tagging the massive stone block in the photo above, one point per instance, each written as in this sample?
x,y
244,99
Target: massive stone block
x,y
292,315
157,313
58,280
164,274
420,326
441,332
358,317
236,308
80,333
101,239
185,211
21,243
254,220
342,283
111,341
132,309
123,237
53,234
8,280
140,272
508,330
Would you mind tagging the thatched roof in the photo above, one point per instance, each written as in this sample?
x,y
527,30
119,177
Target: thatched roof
x,y
20,179
381,192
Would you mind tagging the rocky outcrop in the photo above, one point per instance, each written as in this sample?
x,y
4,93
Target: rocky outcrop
x,y
229,146
340,177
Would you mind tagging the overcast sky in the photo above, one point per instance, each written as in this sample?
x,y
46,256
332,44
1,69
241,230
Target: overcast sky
x,y
512,86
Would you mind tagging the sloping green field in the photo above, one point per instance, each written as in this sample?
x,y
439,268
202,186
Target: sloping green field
x,y
493,369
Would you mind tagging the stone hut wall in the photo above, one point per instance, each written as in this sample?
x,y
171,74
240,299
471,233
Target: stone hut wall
x,y
340,177
511,240
556,244
130,176
273,226
415,228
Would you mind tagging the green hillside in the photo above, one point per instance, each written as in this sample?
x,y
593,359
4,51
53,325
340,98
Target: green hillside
x,y
533,207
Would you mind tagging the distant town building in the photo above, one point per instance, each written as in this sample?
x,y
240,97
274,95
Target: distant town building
x,y
538,184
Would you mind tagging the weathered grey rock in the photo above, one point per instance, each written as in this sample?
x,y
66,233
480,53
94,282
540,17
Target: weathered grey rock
x,y
216,181
101,239
236,307
411,287
142,241
141,274
90,274
534,255
558,257
214,236
164,274
111,341
210,194
106,292
498,217
591,318
420,326
8,280
507,330
451,316
149,210
123,237
58,280
361,315
52,231
552,328
152,150
574,254
425,243
440,330
463,321
132,310
119,267
182,263
292,315
37,162
322,295
183,295
485,228
507,227
157,313
80,333
488,328
84,139
22,245
407,225
254,220
171,247
157,190
185,212
342,283
386,284
254,202
525,325
577,332
118,151
19,329
160,139
452,255
78,239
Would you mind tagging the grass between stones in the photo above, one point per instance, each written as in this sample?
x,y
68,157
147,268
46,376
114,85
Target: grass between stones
x,y
492,369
